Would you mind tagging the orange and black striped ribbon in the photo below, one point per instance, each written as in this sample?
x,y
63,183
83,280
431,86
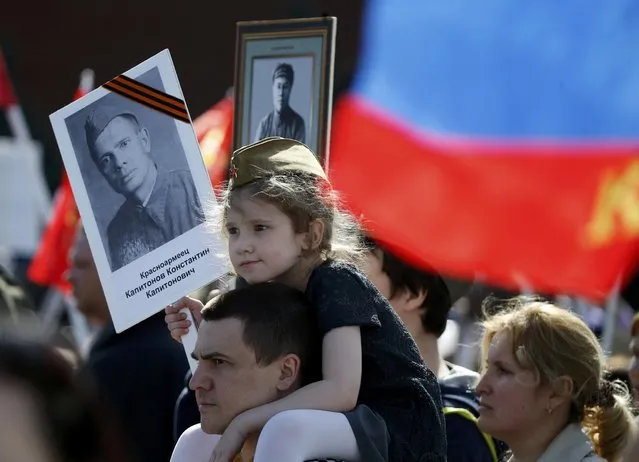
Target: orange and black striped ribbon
x,y
148,96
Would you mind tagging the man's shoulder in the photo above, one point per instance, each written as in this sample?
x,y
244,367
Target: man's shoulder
x,y
459,377
458,388
176,175
194,445
267,118
296,115
121,218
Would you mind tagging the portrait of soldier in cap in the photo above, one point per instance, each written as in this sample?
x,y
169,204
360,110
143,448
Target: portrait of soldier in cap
x,y
282,121
160,204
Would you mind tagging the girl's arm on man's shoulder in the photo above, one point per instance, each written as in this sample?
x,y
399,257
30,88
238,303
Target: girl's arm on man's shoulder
x,y
337,391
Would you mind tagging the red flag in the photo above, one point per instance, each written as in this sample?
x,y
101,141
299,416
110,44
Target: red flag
x,y
51,260
7,95
214,130
509,153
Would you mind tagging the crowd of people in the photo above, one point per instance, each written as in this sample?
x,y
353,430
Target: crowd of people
x,y
321,345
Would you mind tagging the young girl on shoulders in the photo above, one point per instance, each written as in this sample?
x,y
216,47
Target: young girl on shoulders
x,y
376,401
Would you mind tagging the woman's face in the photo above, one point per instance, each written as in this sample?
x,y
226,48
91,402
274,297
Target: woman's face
x,y
22,437
511,402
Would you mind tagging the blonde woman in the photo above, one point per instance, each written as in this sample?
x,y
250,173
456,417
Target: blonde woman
x,y
542,390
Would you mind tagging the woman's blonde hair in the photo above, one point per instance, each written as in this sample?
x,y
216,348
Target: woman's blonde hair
x,y
554,343
305,198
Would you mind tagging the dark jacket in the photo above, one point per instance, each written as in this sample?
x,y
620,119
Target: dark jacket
x,y
140,373
186,410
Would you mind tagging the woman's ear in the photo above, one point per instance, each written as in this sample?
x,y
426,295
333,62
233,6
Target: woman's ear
x,y
561,390
315,235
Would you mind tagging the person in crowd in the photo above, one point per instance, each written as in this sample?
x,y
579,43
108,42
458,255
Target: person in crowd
x,y
255,345
422,300
15,302
542,389
48,413
139,371
283,224
633,367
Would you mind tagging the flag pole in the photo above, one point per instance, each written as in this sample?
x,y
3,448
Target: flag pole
x,y
13,110
609,328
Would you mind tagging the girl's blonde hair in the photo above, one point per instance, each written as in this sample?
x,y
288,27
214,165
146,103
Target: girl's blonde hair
x,y
553,343
305,198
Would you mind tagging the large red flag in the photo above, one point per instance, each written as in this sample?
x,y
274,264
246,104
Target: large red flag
x,y
51,261
498,139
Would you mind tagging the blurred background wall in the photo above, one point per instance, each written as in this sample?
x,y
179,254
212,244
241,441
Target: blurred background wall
x,y
48,43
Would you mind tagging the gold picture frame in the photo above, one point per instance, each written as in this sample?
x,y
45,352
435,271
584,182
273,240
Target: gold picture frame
x,y
284,81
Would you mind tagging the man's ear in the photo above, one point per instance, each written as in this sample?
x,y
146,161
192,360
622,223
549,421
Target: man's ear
x,y
314,235
289,372
145,139
410,301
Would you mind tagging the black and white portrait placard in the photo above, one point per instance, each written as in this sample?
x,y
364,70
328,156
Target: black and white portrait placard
x,y
142,190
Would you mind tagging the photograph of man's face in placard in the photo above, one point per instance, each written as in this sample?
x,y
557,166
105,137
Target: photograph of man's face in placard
x,y
281,97
136,174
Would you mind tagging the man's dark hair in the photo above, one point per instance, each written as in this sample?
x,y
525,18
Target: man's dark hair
x,y
284,70
278,320
402,276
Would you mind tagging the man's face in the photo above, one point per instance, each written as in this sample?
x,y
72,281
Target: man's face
x,y
228,380
400,302
84,280
373,267
121,153
281,93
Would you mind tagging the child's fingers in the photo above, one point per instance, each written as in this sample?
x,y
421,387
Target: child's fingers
x,y
179,325
171,309
178,333
171,318
187,302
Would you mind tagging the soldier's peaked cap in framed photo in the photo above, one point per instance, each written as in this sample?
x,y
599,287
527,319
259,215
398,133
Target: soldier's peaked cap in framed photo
x,y
284,82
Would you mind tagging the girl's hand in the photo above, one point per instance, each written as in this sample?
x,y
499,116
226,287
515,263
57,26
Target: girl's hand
x,y
177,322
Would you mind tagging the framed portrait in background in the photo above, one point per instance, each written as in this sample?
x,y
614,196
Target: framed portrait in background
x,y
284,82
